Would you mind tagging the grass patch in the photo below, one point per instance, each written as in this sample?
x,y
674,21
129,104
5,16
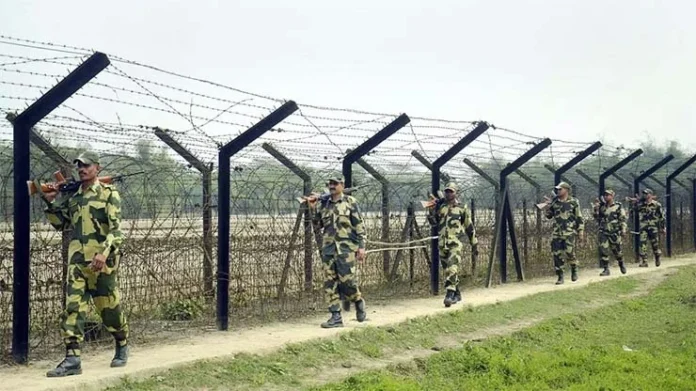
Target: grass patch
x,y
292,366
647,343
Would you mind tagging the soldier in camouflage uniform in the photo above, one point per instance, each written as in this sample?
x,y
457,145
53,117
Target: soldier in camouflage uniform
x,y
652,222
568,224
343,242
453,221
94,214
611,218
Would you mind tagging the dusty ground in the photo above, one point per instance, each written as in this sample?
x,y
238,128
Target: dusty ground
x,y
148,360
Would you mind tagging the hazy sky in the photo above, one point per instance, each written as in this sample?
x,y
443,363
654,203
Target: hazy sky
x,y
575,70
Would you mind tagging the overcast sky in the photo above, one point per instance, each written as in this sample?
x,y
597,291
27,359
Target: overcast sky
x,y
576,70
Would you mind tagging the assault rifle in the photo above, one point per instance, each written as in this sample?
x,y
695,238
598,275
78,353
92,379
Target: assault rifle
x,y
546,203
324,197
64,186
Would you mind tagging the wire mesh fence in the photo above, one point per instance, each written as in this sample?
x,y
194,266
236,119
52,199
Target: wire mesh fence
x,y
167,270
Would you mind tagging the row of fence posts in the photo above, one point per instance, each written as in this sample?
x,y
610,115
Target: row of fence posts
x,y
23,135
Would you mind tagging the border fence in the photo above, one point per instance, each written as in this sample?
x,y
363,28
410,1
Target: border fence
x,y
215,235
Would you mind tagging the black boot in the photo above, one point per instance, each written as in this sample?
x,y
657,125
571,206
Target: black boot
x,y
334,321
121,357
71,365
573,273
622,267
360,313
657,260
457,296
346,305
559,273
449,298
643,264
605,272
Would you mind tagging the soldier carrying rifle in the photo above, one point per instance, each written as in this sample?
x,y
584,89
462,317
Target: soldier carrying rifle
x,y
94,213
652,223
568,224
611,218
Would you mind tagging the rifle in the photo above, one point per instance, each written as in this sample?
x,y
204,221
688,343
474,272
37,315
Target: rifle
x,y
323,197
434,201
71,186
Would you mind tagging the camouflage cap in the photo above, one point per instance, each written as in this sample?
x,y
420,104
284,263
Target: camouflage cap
x,y
610,192
451,186
648,191
87,157
563,185
335,178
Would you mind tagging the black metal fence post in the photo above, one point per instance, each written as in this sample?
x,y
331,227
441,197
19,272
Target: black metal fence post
x,y
224,156
508,220
435,187
206,182
424,161
22,125
636,188
537,195
306,189
669,195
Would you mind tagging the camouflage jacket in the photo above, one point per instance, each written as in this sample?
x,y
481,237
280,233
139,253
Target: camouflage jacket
x,y
650,214
342,223
611,218
567,218
95,218
453,221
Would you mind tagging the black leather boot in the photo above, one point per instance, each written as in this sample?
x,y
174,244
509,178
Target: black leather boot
x,y
457,296
573,273
606,271
71,365
622,267
360,313
657,260
449,298
334,321
560,280
121,357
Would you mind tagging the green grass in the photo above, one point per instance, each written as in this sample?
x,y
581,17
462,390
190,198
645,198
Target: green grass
x,y
296,364
647,343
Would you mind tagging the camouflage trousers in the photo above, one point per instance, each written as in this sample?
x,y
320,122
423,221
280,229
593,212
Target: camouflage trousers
x,y
102,287
562,249
651,234
610,243
340,282
450,258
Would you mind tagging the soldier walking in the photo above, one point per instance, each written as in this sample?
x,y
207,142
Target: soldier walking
x,y
453,221
611,219
94,213
568,224
652,223
343,242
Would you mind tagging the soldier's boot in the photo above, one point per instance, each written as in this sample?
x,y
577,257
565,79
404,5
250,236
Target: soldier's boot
x,y
346,305
559,273
121,357
334,321
622,267
457,296
573,273
606,271
360,313
71,365
644,263
449,298
657,260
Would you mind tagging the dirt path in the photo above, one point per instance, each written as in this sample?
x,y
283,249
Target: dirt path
x,y
148,360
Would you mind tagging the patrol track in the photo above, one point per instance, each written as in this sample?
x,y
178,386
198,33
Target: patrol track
x,y
147,360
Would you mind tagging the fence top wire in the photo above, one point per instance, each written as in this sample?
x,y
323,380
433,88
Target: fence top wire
x,y
118,111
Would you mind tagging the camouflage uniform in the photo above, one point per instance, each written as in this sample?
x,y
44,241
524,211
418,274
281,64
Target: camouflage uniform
x,y
343,235
95,217
568,223
453,221
652,221
612,225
